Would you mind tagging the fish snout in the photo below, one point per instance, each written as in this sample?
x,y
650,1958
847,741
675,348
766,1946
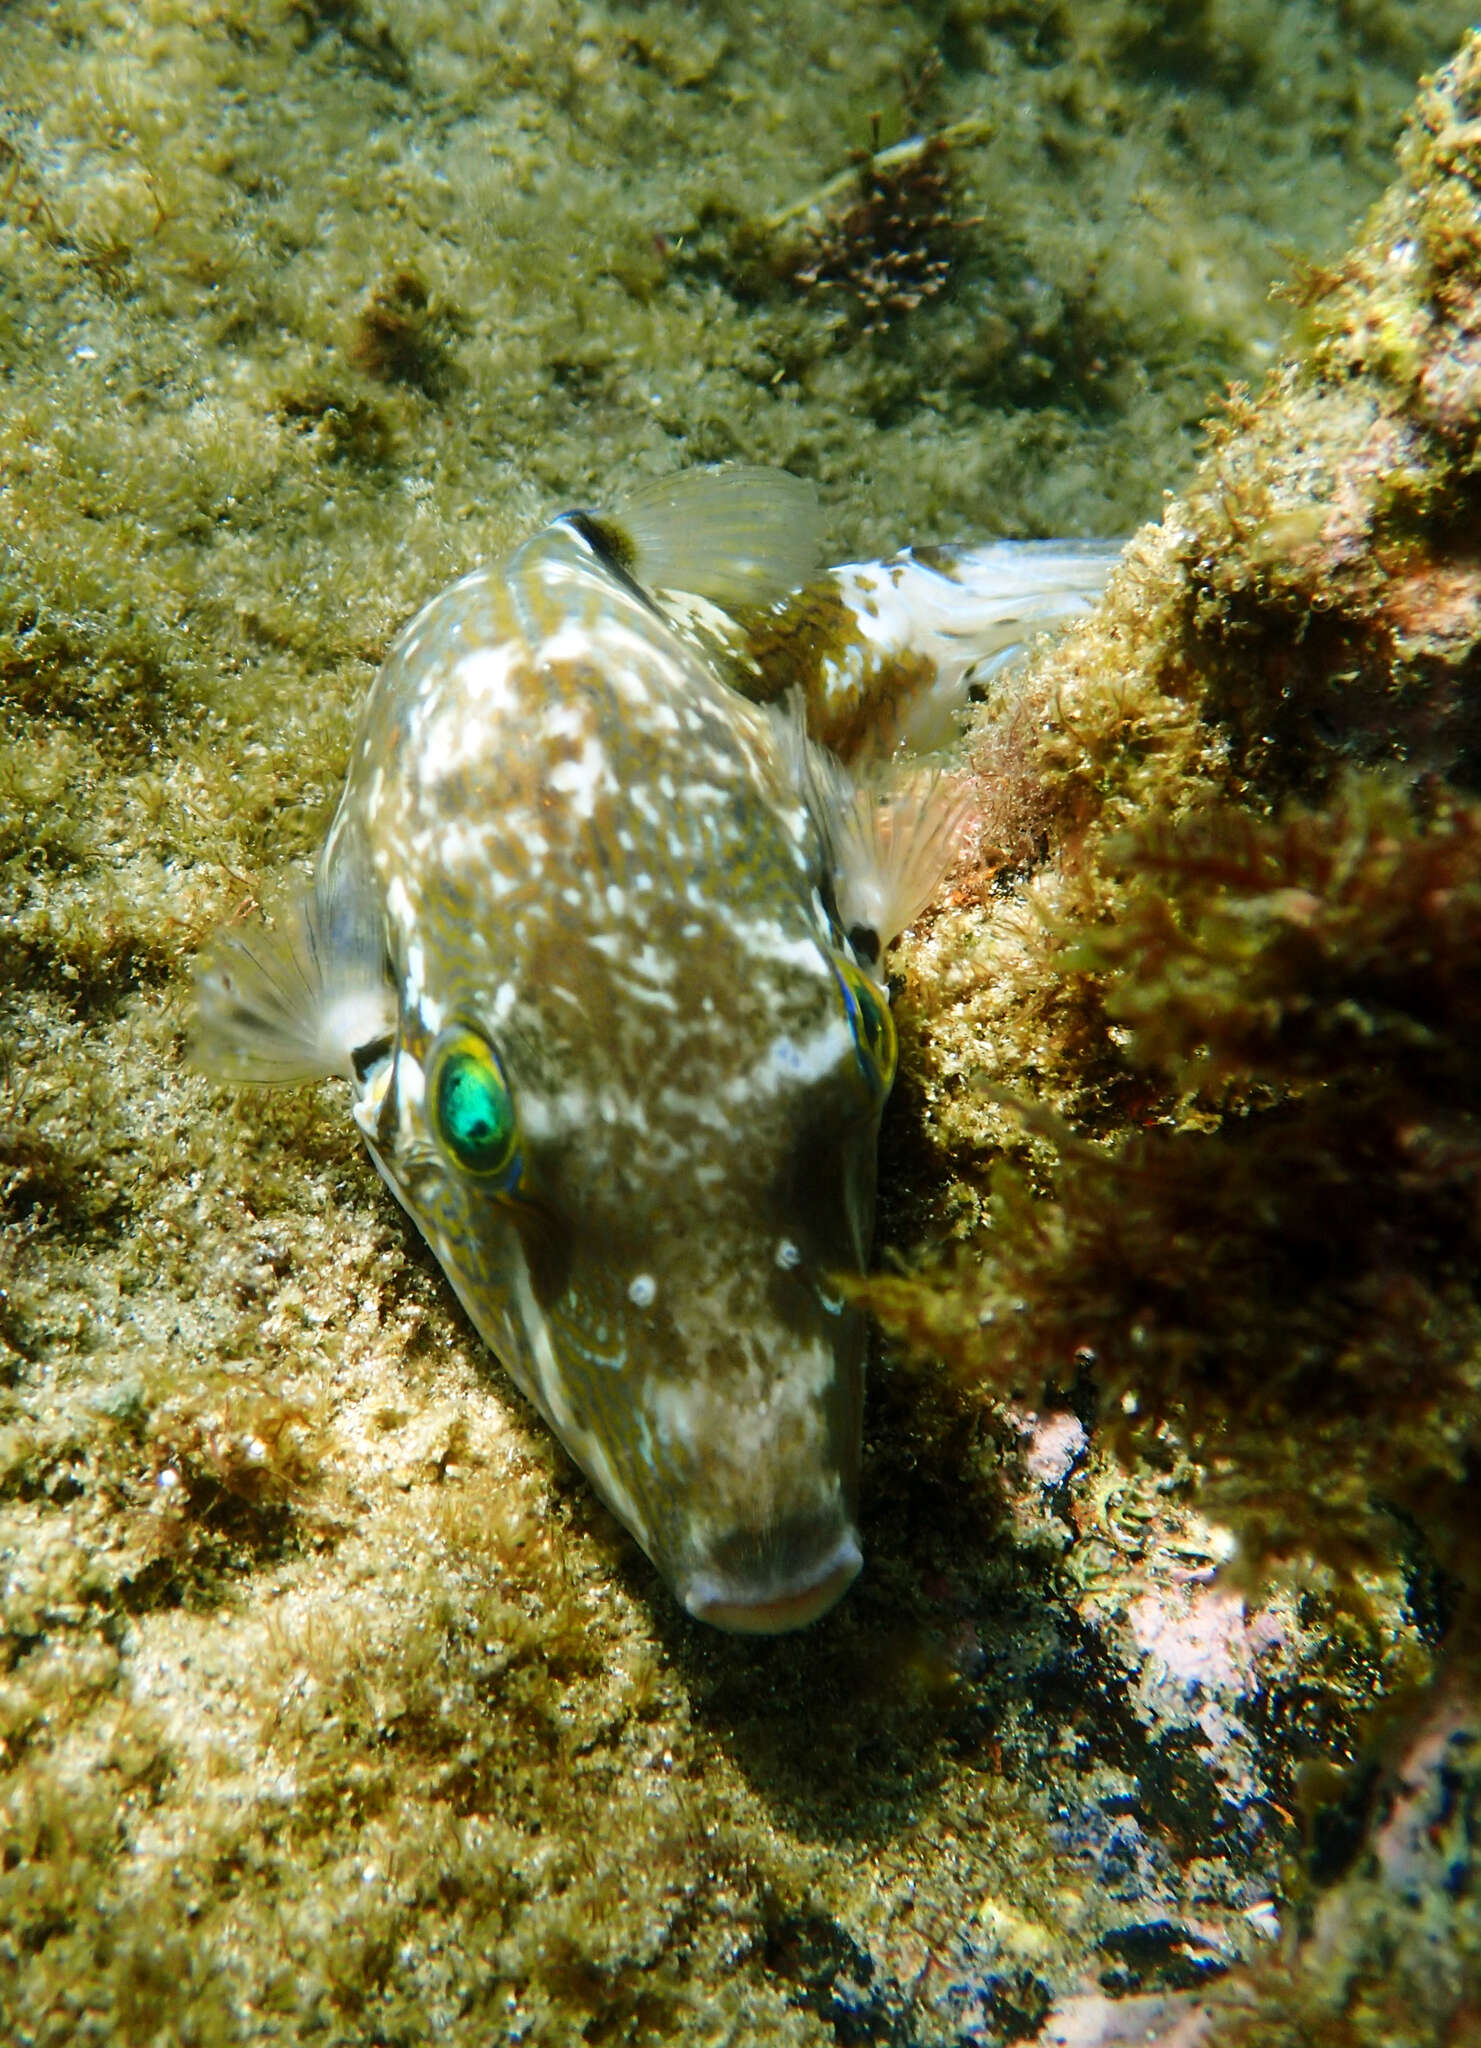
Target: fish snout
x,y
766,1582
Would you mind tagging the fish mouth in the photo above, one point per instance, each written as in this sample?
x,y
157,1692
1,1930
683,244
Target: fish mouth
x,y
772,1603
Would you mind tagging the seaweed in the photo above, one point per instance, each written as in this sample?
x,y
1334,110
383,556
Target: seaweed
x,y
890,240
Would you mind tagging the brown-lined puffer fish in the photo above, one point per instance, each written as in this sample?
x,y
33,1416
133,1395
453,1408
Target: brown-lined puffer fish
x,y
596,941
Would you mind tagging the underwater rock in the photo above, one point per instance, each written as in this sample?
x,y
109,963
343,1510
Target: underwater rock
x,y
1226,918
1195,1038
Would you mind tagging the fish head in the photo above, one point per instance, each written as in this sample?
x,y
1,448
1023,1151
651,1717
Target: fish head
x,y
654,1229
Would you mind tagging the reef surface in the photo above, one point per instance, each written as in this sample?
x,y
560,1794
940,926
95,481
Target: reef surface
x,y
333,1709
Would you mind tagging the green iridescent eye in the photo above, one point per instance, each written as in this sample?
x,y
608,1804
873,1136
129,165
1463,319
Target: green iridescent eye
x,y
872,1025
471,1108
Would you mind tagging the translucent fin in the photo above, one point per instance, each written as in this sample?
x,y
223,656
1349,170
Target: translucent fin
x,y
295,1003
889,842
738,536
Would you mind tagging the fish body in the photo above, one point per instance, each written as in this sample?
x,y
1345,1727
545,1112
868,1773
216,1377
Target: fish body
x,y
596,940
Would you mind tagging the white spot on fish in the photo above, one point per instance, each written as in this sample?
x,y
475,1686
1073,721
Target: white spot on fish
x,y
484,676
652,965
399,904
416,972
789,1063
655,998
583,778
765,939
570,644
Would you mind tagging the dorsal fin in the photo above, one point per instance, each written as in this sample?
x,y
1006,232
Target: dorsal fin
x,y
741,535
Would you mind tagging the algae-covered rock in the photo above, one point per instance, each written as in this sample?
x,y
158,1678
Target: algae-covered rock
x,y
1197,1037
333,1709
1241,806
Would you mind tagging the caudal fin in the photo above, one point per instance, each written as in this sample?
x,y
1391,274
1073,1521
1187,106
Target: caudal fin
x,y
886,653
961,613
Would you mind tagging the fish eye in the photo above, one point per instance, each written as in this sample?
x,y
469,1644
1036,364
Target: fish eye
x,y
471,1108
873,1027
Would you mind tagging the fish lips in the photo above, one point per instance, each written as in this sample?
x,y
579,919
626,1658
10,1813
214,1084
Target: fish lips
x,y
804,1572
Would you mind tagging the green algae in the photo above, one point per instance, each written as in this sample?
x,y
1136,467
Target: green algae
x,y
333,1709
1212,1110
